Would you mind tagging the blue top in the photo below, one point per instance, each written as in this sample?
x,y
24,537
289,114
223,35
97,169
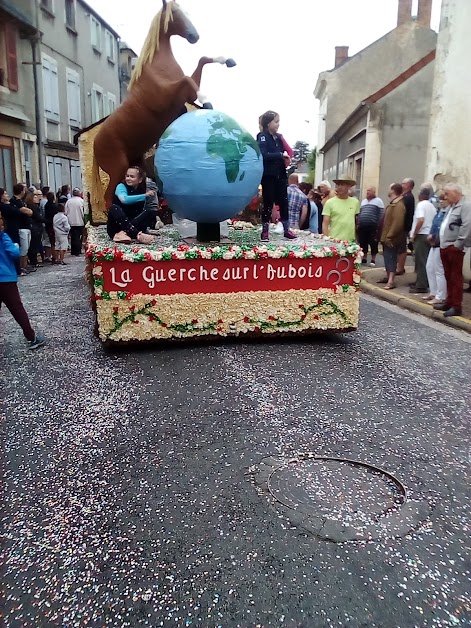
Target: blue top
x,y
9,252
272,150
313,218
124,193
435,228
129,200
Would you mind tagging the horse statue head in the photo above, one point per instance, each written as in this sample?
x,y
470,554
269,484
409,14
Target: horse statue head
x,y
170,20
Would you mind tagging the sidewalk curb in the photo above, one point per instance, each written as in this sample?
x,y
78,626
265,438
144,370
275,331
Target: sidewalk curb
x,y
458,322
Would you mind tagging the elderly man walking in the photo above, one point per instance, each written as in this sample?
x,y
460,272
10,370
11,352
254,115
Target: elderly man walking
x,y
340,212
75,212
455,235
369,220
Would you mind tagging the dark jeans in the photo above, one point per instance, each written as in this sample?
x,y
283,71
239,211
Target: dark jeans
x,y
421,251
10,296
275,191
390,258
452,259
118,221
35,245
76,236
367,238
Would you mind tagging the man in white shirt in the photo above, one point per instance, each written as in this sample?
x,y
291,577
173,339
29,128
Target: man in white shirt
x,y
424,214
75,212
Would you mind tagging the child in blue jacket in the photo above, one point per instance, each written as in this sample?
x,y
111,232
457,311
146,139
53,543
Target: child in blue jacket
x,y
9,293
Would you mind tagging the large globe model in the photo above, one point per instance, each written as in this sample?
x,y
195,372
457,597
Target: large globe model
x,y
208,165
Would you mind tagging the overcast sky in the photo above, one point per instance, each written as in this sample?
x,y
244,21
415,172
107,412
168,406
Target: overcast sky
x,y
280,48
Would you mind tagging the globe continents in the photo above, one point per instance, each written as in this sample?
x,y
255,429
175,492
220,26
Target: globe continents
x,y
208,165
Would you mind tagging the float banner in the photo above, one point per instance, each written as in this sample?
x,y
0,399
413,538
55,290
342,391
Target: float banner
x,y
224,276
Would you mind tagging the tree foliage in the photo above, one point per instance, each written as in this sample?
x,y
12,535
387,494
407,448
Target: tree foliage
x,y
311,164
300,153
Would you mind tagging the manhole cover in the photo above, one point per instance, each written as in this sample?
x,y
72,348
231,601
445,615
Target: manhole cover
x,y
340,490
340,499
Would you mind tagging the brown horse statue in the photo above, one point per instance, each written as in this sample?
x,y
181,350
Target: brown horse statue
x,y
158,91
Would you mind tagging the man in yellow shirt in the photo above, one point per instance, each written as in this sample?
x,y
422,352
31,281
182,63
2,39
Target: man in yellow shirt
x,y
340,214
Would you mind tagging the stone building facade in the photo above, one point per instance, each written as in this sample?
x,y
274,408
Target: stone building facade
x,y
370,70
59,72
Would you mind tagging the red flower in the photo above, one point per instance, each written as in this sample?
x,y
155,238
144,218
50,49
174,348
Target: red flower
x,y
152,318
316,318
129,296
291,254
116,310
301,307
132,308
256,328
153,302
174,256
220,322
148,256
118,255
246,319
137,322
320,301
271,318
219,329
164,324
194,321
303,316
262,254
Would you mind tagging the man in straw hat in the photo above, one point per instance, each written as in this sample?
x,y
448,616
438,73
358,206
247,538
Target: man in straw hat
x,y
340,212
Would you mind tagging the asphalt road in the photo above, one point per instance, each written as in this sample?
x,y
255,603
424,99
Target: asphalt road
x,y
129,494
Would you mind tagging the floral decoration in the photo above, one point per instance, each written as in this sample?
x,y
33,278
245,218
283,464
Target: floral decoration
x,y
125,316
100,248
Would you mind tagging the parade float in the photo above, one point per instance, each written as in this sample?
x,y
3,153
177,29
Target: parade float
x,y
216,279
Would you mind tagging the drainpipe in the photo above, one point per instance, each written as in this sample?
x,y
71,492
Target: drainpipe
x,y
338,158
35,40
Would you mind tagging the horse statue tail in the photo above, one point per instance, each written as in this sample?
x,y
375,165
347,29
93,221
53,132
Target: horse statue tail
x,y
97,199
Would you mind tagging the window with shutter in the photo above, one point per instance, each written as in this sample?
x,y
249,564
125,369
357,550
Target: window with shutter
x,y
70,13
12,61
73,99
50,88
95,33
111,103
98,105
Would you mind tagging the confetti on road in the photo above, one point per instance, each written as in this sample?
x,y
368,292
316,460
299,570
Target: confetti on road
x,y
126,494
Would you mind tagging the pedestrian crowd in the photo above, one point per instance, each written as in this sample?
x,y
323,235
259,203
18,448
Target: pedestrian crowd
x,y
36,227
437,229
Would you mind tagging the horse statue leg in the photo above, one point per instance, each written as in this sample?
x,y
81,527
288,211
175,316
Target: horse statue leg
x,y
116,172
196,76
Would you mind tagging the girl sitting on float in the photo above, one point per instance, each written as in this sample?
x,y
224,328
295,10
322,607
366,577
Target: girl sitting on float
x,y
127,217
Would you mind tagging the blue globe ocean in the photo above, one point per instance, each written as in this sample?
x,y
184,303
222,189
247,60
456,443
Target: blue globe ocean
x,y
209,167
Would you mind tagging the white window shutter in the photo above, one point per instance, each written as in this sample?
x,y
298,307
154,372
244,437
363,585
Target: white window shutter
x,y
73,99
55,92
50,89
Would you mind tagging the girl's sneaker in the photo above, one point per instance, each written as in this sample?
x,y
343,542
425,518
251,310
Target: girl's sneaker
x,y
38,340
265,237
289,235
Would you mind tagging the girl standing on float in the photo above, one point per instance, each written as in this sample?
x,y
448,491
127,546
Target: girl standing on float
x,y
274,180
127,217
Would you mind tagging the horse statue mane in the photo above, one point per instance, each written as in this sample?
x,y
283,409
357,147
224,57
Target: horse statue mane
x,y
152,41
157,95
